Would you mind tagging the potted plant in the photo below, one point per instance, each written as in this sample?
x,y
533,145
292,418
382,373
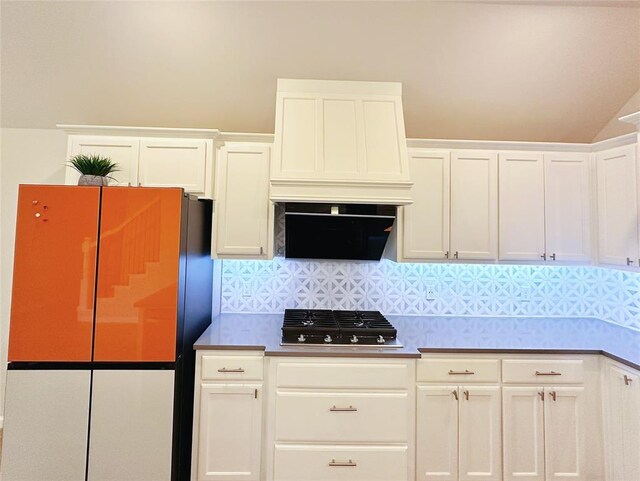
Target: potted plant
x,y
94,169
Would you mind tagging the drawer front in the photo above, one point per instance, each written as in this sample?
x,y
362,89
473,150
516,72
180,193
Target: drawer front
x,y
458,370
229,368
340,463
347,375
543,371
342,417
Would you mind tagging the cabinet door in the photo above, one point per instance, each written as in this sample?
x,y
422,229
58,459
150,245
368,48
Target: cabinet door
x,y
564,431
567,206
182,163
122,150
437,433
230,432
474,205
623,426
480,440
523,433
617,207
131,425
426,221
45,427
521,210
242,206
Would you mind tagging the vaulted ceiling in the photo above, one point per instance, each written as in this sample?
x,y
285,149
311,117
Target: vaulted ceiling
x,y
547,71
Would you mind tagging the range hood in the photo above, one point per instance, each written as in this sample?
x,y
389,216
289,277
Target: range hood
x,y
330,231
340,142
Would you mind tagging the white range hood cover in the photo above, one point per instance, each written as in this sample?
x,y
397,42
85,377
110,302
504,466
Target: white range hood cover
x,y
340,142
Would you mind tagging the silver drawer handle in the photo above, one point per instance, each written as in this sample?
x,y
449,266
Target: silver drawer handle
x,y
335,409
347,464
224,369
460,373
550,373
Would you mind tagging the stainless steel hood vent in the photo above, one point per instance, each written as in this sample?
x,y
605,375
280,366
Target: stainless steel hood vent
x,y
337,231
340,142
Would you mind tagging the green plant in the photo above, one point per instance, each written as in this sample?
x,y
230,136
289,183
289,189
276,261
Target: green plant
x,y
93,164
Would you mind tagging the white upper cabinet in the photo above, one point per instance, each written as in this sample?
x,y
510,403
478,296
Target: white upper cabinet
x,y
426,221
522,233
617,206
149,157
184,163
474,205
243,217
339,141
121,150
567,206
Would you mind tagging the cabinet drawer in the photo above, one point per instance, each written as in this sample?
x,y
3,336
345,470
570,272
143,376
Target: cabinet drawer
x,y
347,375
232,367
458,370
328,463
342,417
543,371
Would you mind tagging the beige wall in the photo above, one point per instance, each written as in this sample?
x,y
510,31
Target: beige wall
x,y
614,127
27,156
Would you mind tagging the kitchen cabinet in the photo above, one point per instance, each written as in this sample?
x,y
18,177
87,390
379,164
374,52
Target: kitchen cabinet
x,y
617,206
340,418
622,412
227,433
458,425
544,207
150,161
455,210
474,205
522,233
243,218
426,221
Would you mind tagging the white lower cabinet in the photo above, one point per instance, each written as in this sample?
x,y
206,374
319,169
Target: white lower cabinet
x,y
622,408
458,433
228,418
544,435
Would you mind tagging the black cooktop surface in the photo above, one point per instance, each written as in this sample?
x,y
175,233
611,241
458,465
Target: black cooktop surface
x,y
323,326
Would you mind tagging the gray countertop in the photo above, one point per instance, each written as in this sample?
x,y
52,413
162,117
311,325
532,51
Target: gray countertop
x,y
420,334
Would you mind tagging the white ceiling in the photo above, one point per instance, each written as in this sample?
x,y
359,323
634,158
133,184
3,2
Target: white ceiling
x,y
476,70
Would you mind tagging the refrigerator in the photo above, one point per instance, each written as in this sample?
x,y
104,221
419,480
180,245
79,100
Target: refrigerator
x,y
111,288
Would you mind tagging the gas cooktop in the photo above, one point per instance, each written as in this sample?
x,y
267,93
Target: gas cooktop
x,y
323,327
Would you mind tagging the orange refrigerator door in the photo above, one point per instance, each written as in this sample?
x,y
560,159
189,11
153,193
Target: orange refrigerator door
x,y
138,268
54,273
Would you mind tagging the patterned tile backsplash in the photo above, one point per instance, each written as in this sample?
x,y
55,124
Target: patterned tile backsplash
x,y
459,289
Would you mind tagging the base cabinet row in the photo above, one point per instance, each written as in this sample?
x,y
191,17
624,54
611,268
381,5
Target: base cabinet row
x,y
369,420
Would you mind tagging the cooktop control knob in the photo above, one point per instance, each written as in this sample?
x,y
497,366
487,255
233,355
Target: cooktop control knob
x,y
380,340
354,339
301,338
327,338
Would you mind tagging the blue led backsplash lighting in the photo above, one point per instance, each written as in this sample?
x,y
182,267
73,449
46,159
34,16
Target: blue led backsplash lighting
x,y
460,289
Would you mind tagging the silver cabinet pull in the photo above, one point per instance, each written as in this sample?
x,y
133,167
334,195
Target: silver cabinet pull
x,y
553,256
345,464
466,395
446,255
553,395
627,380
629,261
455,394
466,372
225,370
550,373
335,409
544,256
541,394
455,255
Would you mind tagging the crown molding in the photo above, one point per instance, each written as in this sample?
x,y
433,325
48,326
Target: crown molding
x,y
633,118
620,141
139,131
245,137
496,145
